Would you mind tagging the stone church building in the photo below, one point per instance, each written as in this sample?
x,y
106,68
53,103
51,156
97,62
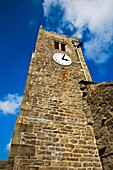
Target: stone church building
x,y
66,120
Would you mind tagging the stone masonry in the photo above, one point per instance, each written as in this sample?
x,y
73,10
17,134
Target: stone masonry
x,y
3,165
100,100
53,132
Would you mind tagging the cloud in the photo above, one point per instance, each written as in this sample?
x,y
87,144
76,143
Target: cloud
x,y
54,14
10,104
87,18
8,145
32,23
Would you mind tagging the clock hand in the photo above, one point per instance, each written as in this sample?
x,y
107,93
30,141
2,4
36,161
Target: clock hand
x,y
64,58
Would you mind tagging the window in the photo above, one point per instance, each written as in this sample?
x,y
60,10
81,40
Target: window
x,y
63,47
56,45
60,46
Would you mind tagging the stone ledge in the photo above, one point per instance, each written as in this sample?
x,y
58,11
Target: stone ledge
x,y
106,84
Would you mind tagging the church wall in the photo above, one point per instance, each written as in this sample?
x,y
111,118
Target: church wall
x,y
3,165
52,131
100,100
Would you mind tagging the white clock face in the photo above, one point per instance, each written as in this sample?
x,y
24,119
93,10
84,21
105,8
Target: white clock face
x,y
62,59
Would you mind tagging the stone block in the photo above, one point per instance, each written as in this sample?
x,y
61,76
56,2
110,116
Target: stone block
x,y
3,165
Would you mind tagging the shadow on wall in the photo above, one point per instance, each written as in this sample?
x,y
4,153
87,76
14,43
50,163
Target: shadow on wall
x,y
100,100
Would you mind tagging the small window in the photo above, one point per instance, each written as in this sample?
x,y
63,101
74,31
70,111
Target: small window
x,y
57,45
63,48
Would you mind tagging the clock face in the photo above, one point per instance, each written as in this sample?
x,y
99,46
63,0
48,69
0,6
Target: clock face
x,y
62,59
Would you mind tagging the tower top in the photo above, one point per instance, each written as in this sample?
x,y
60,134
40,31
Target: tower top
x,y
41,26
57,34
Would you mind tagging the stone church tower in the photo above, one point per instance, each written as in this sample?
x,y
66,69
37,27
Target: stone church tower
x,y
53,131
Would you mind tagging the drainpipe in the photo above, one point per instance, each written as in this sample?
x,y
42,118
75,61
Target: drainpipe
x,y
77,44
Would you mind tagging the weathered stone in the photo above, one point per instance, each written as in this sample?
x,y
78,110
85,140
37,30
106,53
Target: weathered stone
x,y
3,165
100,100
53,131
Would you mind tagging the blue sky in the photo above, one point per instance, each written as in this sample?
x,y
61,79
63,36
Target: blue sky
x,y
92,21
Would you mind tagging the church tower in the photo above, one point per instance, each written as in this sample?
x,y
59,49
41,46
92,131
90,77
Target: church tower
x,y
53,131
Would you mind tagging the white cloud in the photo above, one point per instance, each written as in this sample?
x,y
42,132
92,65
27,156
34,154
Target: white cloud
x,y
10,104
8,145
47,4
92,15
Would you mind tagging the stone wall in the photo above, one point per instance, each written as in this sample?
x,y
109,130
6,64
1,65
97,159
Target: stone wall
x,y
52,132
3,165
100,100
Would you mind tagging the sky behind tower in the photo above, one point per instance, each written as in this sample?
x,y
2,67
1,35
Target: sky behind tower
x,y
90,20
